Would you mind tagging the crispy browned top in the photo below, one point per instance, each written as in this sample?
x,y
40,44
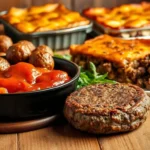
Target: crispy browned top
x,y
106,97
43,18
113,49
124,16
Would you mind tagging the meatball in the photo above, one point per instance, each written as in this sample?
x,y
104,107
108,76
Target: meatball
x,y
5,43
19,52
42,57
28,44
4,64
45,48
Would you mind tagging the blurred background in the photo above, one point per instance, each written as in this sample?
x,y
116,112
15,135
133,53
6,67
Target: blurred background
x,y
77,5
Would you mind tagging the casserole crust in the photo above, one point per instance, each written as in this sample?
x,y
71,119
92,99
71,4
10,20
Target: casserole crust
x,y
123,60
43,18
125,16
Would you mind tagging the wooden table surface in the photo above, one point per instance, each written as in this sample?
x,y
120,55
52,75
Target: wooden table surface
x,y
62,136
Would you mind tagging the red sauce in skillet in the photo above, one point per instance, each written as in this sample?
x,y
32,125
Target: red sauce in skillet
x,y
24,77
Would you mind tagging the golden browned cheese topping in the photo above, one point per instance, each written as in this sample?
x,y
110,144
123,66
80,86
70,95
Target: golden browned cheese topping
x,y
43,18
113,49
124,16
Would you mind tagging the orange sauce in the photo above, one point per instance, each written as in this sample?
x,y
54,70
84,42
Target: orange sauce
x,y
24,77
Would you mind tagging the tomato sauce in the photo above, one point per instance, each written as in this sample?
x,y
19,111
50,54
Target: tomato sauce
x,y
24,77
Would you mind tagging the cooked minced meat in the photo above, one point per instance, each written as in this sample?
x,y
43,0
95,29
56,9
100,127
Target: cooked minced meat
x,y
126,61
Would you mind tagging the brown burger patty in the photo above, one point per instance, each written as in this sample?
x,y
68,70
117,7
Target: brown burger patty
x,y
107,108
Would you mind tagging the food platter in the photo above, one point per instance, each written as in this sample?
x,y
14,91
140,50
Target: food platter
x,y
47,102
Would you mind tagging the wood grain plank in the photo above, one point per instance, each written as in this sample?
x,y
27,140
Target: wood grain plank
x,y
82,4
127,2
5,5
39,2
135,140
104,3
67,3
25,3
8,142
58,137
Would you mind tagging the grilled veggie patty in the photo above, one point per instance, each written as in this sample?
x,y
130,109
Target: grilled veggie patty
x,y
107,108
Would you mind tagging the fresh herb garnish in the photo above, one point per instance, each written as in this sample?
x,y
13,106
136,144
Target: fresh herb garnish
x,y
88,76
91,77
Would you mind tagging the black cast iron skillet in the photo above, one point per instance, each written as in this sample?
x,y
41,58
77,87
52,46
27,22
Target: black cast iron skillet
x,y
47,102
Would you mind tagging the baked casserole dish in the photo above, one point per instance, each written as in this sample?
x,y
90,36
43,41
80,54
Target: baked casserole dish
x,y
51,24
126,61
133,19
43,18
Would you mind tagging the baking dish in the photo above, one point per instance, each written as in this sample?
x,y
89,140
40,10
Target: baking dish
x,y
124,33
127,20
56,39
